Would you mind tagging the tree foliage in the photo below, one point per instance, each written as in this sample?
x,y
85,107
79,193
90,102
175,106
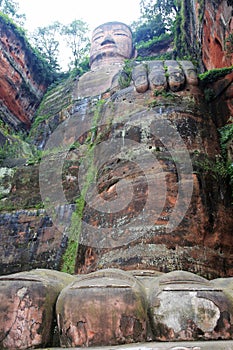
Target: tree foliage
x,y
147,30
76,38
166,9
11,9
157,18
46,40
51,40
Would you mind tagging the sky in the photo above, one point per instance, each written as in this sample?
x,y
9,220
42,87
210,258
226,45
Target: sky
x,y
94,12
41,13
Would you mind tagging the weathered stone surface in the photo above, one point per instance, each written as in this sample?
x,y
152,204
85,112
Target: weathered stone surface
x,y
139,76
156,48
157,75
208,26
205,233
29,239
162,76
110,307
199,345
98,81
111,44
146,277
23,187
133,156
107,307
176,78
186,307
6,175
223,282
56,108
27,302
217,25
226,284
203,236
221,103
200,238
190,72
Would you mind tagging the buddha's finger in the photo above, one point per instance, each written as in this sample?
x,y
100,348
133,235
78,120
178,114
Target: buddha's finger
x,y
157,75
140,78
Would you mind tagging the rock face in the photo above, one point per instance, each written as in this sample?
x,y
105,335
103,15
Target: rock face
x,y
187,307
111,309
123,135
29,238
23,77
26,308
57,106
217,26
128,123
134,234
209,25
131,178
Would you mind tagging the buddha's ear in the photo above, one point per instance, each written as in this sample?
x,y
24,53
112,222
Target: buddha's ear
x,y
134,53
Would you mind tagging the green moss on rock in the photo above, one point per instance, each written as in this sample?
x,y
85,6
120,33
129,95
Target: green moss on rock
x,y
212,75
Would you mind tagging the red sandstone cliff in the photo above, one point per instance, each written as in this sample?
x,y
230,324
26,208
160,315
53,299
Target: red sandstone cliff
x,y
217,26
208,26
23,77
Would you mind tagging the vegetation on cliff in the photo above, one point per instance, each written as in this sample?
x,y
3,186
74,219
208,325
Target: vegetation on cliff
x,y
226,139
40,66
212,75
154,30
165,26
69,258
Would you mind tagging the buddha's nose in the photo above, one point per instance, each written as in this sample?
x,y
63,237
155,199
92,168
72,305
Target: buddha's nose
x,y
108,39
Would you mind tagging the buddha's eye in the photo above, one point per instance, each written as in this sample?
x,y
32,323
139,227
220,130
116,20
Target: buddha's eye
x,y
120,34
98,37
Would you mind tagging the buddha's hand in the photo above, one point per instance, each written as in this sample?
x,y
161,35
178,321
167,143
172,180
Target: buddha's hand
x,y
168,75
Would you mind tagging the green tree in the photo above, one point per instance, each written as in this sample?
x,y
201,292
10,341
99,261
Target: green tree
x,y
167,9
46,41
11,9
76,38
158,17
146,30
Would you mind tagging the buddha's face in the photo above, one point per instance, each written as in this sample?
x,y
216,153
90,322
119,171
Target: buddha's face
x,y
111,41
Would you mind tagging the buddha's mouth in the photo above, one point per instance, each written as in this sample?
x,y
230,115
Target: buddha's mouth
x,y
107,43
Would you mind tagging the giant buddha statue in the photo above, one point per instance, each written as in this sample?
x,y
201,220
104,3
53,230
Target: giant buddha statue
x,y
111,45
151,210
162,111
154,200
151,221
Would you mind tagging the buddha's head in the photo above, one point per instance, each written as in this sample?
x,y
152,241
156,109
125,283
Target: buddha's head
x,y
111,43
